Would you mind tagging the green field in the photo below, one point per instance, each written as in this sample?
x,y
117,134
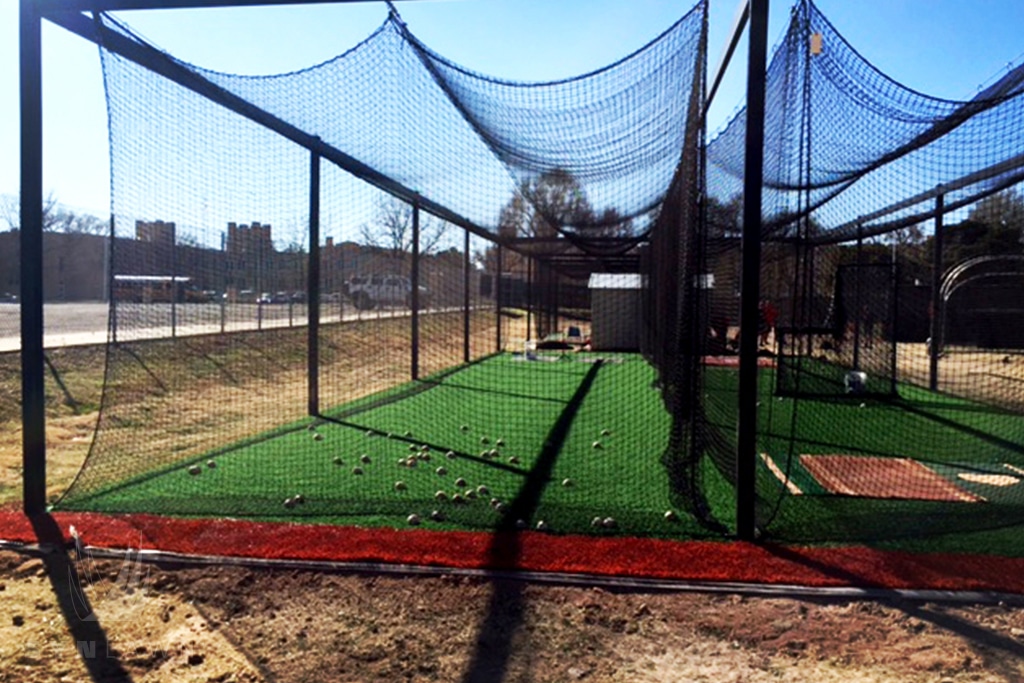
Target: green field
x,y
548,415
525,431
961,441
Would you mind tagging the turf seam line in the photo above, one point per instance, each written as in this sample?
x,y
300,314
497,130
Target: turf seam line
x,y
550,578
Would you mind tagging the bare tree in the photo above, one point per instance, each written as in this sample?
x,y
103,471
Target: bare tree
x,y
10,211
392,229
56,218
68,221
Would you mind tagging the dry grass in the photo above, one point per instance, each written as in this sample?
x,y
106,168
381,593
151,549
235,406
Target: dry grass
x,y
171,400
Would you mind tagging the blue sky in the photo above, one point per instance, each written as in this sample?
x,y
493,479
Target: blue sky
x,y
946,48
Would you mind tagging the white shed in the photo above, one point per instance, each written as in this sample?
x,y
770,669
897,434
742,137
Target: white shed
x,y
615,311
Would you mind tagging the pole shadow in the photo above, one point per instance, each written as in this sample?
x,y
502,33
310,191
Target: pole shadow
x,y
506,608
100,658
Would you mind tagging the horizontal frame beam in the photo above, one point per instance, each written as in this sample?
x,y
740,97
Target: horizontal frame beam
x,y
160,63
739,24
49,7
1006,166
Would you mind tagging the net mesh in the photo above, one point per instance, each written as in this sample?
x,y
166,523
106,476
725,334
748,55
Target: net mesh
x,y
387,289
371,290
870,425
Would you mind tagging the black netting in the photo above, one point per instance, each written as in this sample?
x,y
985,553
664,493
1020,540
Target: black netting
x,y
889,391
368,280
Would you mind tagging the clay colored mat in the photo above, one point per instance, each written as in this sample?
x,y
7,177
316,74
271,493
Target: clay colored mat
x,y
697,561
872,477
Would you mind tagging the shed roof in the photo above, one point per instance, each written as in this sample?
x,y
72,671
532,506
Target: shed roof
x,y
615,281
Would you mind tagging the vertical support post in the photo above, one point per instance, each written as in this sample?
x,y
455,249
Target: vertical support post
x,y
112,255
465,298
529,299
858,302
174,280
497,298
746,442
936,308
33,397
894,325
313,286
414,295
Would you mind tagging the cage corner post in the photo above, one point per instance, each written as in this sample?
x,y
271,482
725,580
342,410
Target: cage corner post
x,y
466,299
497,298
746,442
313,285
937,307
31,272
414,294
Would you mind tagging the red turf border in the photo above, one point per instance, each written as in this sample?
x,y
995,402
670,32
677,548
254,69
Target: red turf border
x,y
697,561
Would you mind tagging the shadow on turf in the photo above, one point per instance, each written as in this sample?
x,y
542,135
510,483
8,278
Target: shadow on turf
x,y
90,640
494,642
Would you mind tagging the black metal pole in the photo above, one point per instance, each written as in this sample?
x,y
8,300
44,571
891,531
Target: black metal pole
x,y
497,298
313,285
746,442
529,299
858,300
894,324
174,280
465,298
414,295
33,396
111,282
936,307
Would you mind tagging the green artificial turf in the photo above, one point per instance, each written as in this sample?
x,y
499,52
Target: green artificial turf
x,y
949,435
579,440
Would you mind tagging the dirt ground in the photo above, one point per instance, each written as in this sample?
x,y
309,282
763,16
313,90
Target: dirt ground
x,y
163,623
70,618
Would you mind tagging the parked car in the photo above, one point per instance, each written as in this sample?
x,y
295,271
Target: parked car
x,y
372,291
8,298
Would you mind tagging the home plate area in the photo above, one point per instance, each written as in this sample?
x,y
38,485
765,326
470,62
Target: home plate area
x,y
865,476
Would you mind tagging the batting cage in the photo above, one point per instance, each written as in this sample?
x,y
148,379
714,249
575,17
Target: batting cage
x,y
888,392
387,290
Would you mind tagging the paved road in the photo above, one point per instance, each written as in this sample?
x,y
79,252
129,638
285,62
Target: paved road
x,y
80,324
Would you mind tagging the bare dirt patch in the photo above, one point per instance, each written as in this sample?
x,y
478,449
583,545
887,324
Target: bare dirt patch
x,y
239,624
